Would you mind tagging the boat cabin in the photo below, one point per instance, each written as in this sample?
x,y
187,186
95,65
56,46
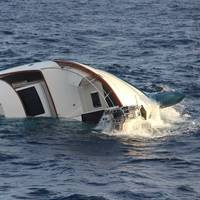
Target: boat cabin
x,y
64,89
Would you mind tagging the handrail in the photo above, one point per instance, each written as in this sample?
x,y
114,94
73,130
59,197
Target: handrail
x,y
84,68
91,82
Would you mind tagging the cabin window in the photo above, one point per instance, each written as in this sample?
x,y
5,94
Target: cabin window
x,y
109,97
95,99
31,101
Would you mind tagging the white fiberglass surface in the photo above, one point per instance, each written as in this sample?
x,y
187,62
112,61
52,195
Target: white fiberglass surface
x,y
10,102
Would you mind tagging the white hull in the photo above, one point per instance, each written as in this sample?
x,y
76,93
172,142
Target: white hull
x,y
67,89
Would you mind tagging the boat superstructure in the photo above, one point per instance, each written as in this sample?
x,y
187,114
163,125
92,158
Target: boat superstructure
x,y
68,89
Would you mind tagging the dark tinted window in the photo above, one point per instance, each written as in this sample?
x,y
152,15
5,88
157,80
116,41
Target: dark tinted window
x,y
96,100
109,97
31,101
109,100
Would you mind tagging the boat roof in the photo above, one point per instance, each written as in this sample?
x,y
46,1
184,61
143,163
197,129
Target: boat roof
x,y
122,91
32,66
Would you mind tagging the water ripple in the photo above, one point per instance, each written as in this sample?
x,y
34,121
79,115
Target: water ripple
x,y
152,44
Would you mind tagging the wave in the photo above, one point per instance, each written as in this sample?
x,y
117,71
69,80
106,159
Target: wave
x,y
79,197
163,122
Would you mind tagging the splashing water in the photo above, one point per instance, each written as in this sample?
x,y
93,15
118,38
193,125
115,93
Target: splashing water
x,y
163,122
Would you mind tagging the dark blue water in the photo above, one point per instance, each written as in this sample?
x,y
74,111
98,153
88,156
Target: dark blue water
x,y
146,42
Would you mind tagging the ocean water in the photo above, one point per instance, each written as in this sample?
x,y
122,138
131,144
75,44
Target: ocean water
x,y
150,43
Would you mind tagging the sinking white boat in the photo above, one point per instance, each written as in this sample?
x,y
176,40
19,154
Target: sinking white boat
x,y
72,90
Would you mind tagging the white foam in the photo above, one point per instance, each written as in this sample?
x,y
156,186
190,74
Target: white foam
x,y
163,122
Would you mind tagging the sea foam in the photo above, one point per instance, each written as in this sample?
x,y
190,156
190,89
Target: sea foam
x,y
163,122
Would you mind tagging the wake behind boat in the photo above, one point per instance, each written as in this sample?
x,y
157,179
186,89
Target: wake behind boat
x,y
72,90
